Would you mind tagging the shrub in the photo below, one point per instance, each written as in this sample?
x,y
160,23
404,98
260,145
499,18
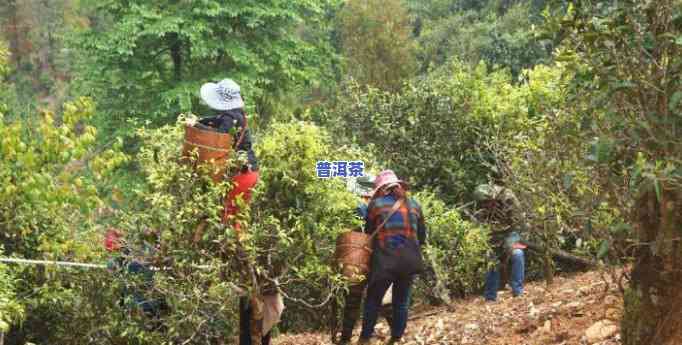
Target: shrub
x,y
48,207
290,230
457,250
437,130
11,311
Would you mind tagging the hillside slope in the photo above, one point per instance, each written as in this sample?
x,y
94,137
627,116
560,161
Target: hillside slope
x,y
579,309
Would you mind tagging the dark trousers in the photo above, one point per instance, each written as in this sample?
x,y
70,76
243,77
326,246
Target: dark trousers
x,y
401,301
351,311
245,323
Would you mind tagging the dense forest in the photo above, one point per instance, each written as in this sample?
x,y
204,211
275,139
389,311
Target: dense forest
x,y
574,105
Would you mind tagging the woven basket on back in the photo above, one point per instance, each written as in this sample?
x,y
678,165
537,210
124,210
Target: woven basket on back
x,y
212,147
353,251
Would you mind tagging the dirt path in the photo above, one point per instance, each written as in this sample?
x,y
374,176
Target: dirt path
x,y
580,309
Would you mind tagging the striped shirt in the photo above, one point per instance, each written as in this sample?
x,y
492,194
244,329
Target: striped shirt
x,y
406,223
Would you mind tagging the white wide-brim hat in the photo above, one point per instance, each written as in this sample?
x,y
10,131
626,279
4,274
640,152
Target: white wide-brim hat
x,y
224,95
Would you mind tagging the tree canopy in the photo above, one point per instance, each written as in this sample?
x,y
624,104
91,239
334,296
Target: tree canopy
x,y
147,59
377,43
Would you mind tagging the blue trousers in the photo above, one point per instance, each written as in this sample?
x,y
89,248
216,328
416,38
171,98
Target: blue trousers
x,y
401,301
492,279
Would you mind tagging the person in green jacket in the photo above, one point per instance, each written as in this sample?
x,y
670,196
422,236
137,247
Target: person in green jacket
x,y
497,205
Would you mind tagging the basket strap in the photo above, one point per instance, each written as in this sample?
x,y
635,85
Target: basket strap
x,y
395,208
243,132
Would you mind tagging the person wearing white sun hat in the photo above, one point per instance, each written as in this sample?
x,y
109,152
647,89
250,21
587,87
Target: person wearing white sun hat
x,y
225,97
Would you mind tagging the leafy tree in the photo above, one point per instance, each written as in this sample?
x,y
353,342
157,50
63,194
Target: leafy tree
x,y
430,10
48,210
36,30
435,131
148,59
377,43
628,68
505,39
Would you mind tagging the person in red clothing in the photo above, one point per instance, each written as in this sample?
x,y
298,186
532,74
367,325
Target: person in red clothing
x,y
225,97
112,240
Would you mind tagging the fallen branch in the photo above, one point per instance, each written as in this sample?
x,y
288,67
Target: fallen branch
x,y
427,314
300,301
562,255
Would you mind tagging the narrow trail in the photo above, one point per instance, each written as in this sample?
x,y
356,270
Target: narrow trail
x,y
577,309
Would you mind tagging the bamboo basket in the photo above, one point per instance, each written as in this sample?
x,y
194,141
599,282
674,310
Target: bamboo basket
x,y
213,147
353,252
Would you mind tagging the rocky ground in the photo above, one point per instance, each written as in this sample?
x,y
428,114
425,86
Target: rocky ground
x,y
577,309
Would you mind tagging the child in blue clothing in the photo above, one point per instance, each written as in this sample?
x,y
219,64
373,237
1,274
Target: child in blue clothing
x,y
137,275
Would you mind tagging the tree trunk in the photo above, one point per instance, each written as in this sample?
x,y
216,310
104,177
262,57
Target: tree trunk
x,y
560,254
13,32
653,306
547,258
250,277
257,309
549,267
176,56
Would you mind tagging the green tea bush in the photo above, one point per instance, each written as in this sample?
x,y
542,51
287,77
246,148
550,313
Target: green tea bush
x,y
48,191
436,131
49,201
298,216
289,233
170,205
11,311
456,251
559,200
6,92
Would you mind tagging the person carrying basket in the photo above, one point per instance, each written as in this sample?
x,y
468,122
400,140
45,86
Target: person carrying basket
x,y
396,224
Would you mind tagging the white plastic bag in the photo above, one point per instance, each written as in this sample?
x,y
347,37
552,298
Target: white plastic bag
x,y
273,306
388,296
